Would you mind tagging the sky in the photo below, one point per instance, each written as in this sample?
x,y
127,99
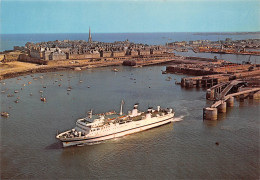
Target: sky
x,y
119,16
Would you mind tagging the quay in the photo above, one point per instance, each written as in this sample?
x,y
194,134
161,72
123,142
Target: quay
x,y
212,73
214,79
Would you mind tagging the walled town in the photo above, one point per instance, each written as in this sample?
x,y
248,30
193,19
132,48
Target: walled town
x,y
58,52
59,55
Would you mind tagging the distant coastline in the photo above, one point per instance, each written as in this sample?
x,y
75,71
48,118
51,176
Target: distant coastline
x,y
227,33
8,41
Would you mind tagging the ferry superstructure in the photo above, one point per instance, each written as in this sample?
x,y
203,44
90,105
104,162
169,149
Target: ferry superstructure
x,y
100,127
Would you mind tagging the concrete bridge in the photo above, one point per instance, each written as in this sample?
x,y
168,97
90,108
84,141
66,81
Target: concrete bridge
x,y
220,90
220,106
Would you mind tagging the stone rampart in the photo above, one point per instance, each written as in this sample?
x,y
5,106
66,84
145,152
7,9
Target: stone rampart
x,y
26,58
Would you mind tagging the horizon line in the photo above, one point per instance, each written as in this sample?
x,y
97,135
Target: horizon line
x,y
131,32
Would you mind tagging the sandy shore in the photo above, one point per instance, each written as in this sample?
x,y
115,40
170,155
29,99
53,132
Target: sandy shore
x,y
16,68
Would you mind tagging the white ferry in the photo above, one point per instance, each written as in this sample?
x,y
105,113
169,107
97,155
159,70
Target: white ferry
x,y
100,127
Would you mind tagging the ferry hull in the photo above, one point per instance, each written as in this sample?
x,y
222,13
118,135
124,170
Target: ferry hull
x,y
74,142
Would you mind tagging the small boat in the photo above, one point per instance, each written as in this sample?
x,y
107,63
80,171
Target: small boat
x,y
43,99
115,70
137,66
168,78
16,91
77,69
5,114
164,72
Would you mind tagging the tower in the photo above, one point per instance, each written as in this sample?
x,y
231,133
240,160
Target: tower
x,y
89,36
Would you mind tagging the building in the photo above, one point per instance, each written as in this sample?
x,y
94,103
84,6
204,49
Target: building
x,y
89,36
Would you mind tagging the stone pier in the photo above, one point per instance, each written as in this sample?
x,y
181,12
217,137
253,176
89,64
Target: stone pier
x,y
254,95
210,94
241,97
210,113
230,102
222,108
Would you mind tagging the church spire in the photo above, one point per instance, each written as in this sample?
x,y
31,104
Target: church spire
x,y
89,36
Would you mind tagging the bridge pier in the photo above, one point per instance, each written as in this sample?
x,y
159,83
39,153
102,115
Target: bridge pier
x,y
254,95
230,102
222,108
210,113
251,95
241,97
189,83
210,94
183,82
198,83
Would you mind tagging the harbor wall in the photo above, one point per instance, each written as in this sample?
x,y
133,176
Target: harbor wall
x,y
26,58
189,71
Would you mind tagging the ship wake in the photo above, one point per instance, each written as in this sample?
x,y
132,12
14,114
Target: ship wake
x,y
176,119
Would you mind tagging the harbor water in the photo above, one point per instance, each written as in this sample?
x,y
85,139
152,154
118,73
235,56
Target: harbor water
x,y
234,58
188,149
